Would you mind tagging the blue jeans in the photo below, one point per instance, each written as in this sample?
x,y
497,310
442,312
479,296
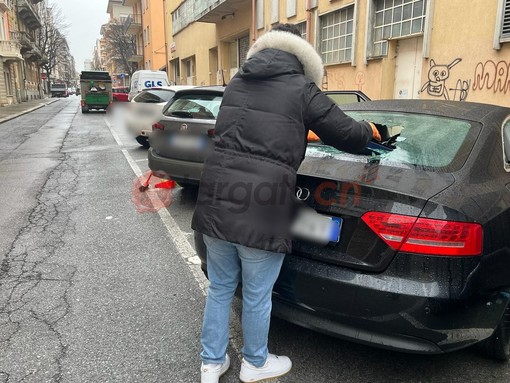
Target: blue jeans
x,y
227,265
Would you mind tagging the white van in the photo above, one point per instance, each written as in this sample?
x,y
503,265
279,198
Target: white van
x,y
144,79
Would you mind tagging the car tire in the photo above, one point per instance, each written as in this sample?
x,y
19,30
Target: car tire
x,y
144,141
85,109
497,346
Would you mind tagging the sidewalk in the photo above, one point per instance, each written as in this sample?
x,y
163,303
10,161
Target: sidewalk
x,y
9,112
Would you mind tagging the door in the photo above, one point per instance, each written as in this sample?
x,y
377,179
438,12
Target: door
x,y
408,65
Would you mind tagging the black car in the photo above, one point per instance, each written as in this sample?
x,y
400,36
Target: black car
x,y
422,262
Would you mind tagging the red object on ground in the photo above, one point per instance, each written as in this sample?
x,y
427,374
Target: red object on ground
x,y
148,197
170,184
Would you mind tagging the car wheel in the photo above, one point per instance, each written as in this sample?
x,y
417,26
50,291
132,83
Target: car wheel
x,y
497,346
144,141
85,109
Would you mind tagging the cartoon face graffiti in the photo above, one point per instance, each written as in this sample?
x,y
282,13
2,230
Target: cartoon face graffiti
x,y
437,76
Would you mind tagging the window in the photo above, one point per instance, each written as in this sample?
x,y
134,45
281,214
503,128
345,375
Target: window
x,y
506,144
336,35
148,35
154,96
426,141
275,11
396,18
144,5
302,29
505,23
291,8
145,37
197,106
260,14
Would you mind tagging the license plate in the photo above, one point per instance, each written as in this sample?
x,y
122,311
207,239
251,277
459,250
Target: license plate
x,y
317,228
185,142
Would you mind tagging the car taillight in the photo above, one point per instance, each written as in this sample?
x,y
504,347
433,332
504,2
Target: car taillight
x,y
82,103
426,236
210,132
157,126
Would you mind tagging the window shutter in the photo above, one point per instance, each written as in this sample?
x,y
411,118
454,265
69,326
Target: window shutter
x,y
505,27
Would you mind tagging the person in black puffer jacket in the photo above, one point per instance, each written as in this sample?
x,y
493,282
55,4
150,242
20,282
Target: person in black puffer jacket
x,y
247,192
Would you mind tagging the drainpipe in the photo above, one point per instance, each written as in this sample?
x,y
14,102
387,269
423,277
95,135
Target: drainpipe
x,y
308,18
253,20
167,64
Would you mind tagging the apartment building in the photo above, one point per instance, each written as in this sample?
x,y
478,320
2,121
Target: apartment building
x,y
403,49
20,78
110,60
148,26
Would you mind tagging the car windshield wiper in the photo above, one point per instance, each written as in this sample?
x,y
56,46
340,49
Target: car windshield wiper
x,y
181,113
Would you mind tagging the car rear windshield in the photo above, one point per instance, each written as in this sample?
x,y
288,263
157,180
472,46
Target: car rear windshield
x,y
426,141
154,96
199,106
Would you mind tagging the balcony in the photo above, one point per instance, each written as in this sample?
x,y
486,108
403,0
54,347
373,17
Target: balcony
x,y
28,14
137,56
10,50
133,24
129,3
5,5
29,48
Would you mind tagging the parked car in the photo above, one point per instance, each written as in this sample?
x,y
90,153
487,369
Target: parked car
x,y
185,166
146,79
178,141
59,90
422,260
342,97
145,109
120,93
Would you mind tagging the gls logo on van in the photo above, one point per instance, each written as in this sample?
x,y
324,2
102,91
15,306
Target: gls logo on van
x,y
152,84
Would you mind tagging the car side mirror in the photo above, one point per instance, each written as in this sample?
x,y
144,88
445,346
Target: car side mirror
x,y
506,145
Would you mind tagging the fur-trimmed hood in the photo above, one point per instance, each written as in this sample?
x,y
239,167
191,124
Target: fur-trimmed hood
x,y
295,45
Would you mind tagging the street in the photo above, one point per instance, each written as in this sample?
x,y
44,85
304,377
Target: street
x,y
93,291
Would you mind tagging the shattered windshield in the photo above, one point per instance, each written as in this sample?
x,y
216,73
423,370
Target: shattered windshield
x,y
421,140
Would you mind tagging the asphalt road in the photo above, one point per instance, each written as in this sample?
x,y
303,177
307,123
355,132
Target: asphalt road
x,y
91,290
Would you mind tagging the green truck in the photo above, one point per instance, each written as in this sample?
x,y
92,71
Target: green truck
x,y
96,90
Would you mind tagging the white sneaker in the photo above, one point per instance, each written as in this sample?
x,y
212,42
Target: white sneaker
x,y
210,373
275,367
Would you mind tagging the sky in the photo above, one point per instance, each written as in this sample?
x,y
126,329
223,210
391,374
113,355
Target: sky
x,y
85,18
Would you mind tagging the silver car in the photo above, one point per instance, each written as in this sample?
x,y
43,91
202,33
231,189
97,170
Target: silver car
x,y
181,138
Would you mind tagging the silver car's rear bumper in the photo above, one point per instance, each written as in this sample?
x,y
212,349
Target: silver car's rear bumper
x,y
180,171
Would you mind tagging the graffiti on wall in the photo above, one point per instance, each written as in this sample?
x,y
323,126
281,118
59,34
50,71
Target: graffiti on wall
x,y
360,80
490,75
436,84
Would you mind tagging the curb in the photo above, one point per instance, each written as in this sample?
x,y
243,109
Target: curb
x,y
13,116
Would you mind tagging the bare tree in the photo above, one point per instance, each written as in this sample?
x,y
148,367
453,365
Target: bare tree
x,y
120,45
52,41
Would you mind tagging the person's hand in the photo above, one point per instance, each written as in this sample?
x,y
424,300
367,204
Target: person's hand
x,y
380,132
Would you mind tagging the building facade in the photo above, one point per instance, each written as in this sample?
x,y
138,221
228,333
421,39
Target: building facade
x,y
401,49
20,77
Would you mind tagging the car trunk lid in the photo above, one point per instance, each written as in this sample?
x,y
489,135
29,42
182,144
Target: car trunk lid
x,y
347,186
185,128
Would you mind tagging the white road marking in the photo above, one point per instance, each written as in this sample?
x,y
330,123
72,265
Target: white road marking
x,y
142,160
114,133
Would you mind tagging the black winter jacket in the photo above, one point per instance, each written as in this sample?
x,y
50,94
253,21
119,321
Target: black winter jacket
x,y
247,190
